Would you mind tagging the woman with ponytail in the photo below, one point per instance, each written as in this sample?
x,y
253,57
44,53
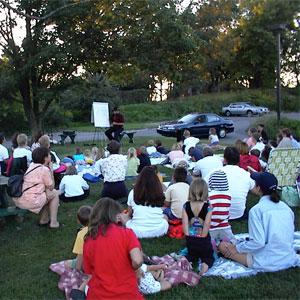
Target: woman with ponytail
x,y
271,231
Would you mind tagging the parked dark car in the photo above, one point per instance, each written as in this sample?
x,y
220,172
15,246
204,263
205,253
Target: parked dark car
x,y
198,124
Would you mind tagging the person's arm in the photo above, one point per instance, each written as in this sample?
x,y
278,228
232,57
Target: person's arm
x,y
136,258
185,222
79,261
167,202
84,184
62,186
206,224
156,267
256,233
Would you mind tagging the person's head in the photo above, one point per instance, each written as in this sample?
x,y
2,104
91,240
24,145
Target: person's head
x,y
244,148
87,153
158,143
251,131
114,147
198,190
148,189
78,150
213,131
22,140
186,133
151,143
2,138
231,156
180,174
256,137
83,214
255,152
176,147
266,184
260,127
131,152
105,212
41,155
218,181
143,150
286,132
37,136
71,170
182,164
44,141
115,110
14,140
207,151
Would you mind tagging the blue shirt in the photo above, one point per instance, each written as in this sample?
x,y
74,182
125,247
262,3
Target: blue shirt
x,y
271,235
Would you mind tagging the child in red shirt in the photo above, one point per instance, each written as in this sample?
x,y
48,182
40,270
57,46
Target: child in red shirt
x,y
111,254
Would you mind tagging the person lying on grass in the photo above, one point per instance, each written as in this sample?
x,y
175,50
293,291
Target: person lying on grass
x,y
271,231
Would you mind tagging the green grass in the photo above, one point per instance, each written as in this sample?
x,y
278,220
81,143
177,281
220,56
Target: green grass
x,y
26,251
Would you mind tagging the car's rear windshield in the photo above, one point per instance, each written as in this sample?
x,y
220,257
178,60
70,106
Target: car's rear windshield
x,y
187,118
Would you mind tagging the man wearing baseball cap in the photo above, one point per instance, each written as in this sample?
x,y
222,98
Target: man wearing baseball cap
x,y
271,231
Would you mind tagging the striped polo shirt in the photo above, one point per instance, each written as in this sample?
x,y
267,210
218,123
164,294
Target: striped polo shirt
x,y
219,199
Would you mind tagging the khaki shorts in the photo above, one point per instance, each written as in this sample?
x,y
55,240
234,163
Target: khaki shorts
x,y
50,195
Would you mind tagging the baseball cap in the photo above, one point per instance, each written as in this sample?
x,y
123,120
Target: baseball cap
x,y
266,181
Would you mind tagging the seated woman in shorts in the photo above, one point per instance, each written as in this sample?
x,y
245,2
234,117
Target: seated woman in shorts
x,y
39,195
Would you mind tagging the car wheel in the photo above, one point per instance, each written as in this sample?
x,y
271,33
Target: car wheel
x,y
249,113
222,133
227,113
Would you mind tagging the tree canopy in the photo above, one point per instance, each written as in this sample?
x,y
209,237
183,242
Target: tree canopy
x,y
71,52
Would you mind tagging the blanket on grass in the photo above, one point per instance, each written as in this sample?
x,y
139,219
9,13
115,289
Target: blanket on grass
x,y
178,271
229,269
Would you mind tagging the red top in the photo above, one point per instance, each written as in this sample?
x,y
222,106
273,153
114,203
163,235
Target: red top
x,y
107,259
118,118
250,160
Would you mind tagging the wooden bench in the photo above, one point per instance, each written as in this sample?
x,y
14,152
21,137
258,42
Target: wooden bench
x,y
130,135
5,210
67,133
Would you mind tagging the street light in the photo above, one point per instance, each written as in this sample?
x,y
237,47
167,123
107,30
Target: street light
x,y
278,28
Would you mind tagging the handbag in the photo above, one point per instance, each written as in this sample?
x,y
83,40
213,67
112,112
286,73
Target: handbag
x,y
15,184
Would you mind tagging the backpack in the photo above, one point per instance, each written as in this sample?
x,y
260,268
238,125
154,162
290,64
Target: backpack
x,y
15,184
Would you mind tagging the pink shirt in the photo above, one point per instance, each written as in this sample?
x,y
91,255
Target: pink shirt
x,y
35,198
250,142
175,156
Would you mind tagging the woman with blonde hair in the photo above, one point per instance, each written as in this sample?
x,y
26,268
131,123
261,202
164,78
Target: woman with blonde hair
x,y
132,162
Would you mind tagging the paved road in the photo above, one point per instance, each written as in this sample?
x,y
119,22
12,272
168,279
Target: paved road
x,y
241,124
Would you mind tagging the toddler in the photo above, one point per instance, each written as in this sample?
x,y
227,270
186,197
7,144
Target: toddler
x,y
78,156
196,219
132,162
213,138
151,279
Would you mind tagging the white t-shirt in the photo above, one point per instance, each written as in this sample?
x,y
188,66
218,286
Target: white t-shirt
x,y
207,164
259,146
240,184
147,284
3,154
21,152
73,185
177,194
190,142
151,150
213,138
147,221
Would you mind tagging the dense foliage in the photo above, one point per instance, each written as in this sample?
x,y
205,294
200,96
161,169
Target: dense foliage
x,y
67,54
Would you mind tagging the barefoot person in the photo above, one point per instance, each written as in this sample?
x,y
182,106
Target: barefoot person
x,y
271,231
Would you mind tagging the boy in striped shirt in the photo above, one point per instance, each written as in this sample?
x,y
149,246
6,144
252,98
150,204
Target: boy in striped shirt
x,y
220,201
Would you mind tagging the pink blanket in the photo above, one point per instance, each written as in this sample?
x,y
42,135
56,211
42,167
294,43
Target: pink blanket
x,y
69,278
179,271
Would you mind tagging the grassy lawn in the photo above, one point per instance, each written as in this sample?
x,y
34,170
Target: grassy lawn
x,y
26,251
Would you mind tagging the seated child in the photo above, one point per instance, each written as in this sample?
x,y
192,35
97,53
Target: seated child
x,y
96,153
219,198
160,148
132,162
195,153
88,158
176,195
176,154
73,187
144,158
78,156
151,147
196,218
151,279
83,216
213,139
